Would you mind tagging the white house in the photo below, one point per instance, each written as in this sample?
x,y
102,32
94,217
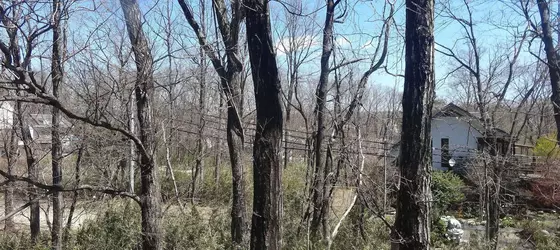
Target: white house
x,y
457,134
40,126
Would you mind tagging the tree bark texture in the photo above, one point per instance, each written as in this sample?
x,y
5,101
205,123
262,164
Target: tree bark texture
x,y
149,190
412,222
267,170
57,74
32,173
318,194
198,177
552,58
230,84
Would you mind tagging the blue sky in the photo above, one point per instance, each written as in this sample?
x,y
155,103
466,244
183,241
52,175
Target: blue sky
x,y
355,36
495,25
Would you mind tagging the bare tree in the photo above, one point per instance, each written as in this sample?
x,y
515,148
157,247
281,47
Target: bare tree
x,y
319,174
412,221
144,87
266,229
230,83
57,74
14,57
202,107
551,55
296,41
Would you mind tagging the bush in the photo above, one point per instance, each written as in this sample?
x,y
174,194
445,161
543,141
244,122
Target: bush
x,y
507,221
533,232
437,235
118,227
220,193
546,147
375,231
183,180
195,231
446,191
20,241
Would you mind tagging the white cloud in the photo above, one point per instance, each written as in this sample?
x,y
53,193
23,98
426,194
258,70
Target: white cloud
x,y
289,44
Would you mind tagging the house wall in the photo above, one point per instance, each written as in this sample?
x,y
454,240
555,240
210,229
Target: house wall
x,y
6,115
462,138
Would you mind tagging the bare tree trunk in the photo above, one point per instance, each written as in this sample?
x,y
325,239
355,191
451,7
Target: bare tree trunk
x,y
218,159
230,81
552,58
235,144
149,191
12,155
77,180
33,175
412,222
198,175
57,73
16,59
318,175
266,229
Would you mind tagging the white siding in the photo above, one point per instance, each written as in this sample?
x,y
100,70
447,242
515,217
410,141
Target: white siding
x,y
6,115
462,138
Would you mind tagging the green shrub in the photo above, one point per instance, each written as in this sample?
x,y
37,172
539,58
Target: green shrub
x,y
546,147
507,221
183,180
118,227
437,235
195,231
376,235
533,232
446,191
20,241
213,193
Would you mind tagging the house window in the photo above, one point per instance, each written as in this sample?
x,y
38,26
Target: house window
x,y
445,156
480,142
500,148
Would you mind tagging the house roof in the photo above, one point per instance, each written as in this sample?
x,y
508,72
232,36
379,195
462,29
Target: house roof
x,y
452,110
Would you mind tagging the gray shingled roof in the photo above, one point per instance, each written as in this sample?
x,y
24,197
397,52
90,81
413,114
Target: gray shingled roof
x,y
452,110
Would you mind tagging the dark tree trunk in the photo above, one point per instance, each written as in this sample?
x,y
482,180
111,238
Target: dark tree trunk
x,y
552,58
77,180
33,175
235,144
318,195
199,164
149,190
57,74
232,90
412,222
267,171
